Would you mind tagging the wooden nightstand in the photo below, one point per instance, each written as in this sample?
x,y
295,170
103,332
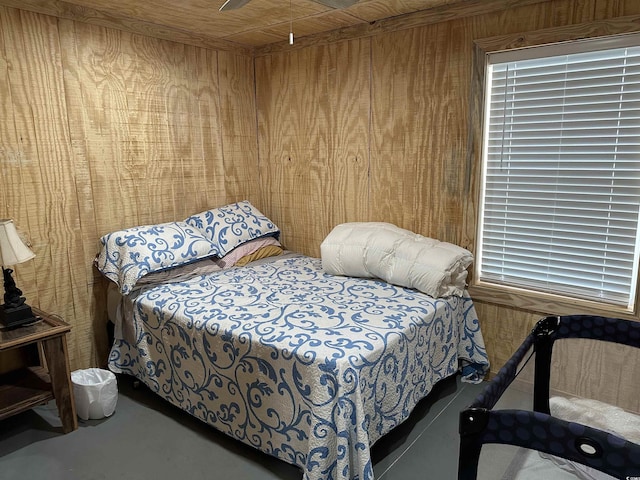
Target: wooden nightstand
x,y
25,388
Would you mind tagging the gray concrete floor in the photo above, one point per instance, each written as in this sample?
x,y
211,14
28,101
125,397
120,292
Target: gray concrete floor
x,y
147,438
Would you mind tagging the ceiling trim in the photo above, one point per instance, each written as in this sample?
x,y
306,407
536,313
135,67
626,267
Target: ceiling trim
x,y
442,13
70,11
567,33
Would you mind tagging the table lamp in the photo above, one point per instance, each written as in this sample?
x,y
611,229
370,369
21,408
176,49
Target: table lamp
x,y
14,312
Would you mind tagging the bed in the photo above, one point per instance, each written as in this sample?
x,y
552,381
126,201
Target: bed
x,y
310,367
559,438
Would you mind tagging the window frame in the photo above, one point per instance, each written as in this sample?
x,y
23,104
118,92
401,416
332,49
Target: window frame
x,y
507,295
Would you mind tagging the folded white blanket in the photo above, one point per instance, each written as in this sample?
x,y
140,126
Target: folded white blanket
x,y
398,256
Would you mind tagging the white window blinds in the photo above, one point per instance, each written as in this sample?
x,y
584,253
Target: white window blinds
x,y
561,188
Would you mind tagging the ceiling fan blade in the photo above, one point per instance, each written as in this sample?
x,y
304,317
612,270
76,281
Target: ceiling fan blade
x,y
337,3
233,4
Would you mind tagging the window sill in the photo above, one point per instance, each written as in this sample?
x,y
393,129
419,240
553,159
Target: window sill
x,y
544,303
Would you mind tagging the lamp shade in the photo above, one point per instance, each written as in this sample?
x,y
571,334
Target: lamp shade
x,y
12,249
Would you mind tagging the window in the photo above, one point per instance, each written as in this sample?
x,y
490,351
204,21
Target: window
x,y
560,198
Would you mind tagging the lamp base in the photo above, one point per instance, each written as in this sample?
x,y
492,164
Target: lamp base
x,y
15,316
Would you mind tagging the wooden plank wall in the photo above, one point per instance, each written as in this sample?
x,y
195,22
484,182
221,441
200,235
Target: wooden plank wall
x,y
396,149
103,130
313,149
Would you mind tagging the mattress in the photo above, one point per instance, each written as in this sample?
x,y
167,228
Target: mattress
x,y
532,465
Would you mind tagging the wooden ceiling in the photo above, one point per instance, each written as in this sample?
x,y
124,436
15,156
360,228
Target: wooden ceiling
x,y
259,23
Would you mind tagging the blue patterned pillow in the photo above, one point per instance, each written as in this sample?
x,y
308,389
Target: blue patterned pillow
x,y
232,225
128,255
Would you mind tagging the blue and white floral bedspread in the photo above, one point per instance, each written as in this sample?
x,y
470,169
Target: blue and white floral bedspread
x,y
308,367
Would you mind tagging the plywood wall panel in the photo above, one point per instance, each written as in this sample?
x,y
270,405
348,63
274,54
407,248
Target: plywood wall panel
x,y
208,187
46,178
347,185
238,128
417,148
607,372
504,329
144,116
104,130
313,122
280,169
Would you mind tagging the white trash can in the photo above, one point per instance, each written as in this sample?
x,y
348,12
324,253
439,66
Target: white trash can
x,y
96,393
